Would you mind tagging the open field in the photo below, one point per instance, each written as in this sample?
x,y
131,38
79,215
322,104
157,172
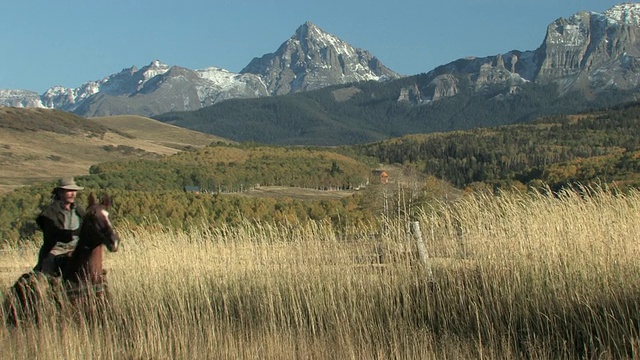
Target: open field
x,y
518,276
296,193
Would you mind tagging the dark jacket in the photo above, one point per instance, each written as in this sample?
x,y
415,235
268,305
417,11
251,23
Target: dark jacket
x,y
51,222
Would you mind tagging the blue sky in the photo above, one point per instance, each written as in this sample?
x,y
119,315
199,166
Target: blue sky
x,y
69,42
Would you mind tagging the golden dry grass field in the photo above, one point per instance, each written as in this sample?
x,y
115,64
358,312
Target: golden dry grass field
x,y
155,132
516,276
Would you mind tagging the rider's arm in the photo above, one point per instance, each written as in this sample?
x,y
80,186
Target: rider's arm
x,y
51,235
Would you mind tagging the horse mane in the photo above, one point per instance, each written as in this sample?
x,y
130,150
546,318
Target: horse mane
x,y
86,259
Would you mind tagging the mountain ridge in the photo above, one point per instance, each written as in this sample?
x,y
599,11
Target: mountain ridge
x,y
587,59
158,87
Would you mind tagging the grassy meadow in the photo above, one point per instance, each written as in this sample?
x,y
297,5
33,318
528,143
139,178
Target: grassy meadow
x,y
514,276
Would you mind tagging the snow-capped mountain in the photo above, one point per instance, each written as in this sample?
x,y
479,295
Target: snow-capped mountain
x,y
323,60
312,59
20,98
589,53
159,88
600,49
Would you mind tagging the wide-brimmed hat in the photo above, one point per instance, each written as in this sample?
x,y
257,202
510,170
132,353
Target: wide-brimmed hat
x,y
68,183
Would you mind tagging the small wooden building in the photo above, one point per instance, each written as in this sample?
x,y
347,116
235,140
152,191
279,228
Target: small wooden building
x,y
382,175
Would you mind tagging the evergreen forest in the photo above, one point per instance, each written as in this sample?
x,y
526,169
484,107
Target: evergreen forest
x,y
597,147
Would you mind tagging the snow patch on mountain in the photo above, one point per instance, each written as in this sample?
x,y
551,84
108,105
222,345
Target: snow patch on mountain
x,y
627,13
20,99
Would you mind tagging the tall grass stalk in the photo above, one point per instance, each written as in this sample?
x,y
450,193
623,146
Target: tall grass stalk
x,y
520,275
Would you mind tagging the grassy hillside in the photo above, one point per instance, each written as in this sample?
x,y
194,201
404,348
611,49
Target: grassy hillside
x,y
39,144
146,164
156,132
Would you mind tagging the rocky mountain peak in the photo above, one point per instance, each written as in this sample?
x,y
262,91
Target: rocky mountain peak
x,y
303,31
313,58
627,13
313,38
310,59
587,52
155,68
592,49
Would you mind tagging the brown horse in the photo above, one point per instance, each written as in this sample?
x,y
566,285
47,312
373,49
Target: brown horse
x,y
82,275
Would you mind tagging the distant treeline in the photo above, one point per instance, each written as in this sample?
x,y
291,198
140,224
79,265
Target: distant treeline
x,y
229,168
152,191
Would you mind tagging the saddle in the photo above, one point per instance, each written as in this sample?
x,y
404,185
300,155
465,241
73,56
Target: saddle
x,y
54,264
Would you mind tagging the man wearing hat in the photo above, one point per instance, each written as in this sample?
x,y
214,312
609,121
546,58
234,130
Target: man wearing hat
x,y
60,225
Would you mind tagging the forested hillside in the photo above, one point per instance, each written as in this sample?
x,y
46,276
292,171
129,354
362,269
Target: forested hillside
x,y
558,151
373,111
228,168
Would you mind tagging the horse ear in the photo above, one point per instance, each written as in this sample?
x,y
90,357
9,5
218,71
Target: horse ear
x,y
92,200
106,200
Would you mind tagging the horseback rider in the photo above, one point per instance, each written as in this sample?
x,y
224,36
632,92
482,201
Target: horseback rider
x,y
60,224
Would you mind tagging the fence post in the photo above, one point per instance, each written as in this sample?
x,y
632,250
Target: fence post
x,y
422,249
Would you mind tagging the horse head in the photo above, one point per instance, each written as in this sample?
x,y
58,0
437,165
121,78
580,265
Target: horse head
x,y
96,227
